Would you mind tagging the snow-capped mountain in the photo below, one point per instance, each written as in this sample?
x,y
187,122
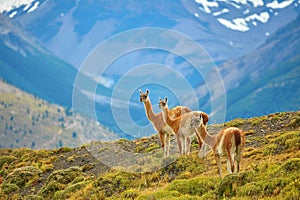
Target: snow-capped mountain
x,y
27,6
226,29
245,38
247,13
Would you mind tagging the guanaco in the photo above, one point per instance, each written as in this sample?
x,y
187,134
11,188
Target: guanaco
x,y
229,141
157,120
183,126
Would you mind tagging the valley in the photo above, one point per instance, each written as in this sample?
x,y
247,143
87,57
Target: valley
x,y
27,121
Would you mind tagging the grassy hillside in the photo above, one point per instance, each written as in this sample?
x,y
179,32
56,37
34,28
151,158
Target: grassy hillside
x,y
27,121
270,168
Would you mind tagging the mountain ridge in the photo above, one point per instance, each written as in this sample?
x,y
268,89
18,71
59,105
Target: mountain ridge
x,y
30,122
281,70
71,21
52,79
34,66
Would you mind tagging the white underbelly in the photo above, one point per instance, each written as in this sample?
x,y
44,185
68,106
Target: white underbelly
x,y
187,130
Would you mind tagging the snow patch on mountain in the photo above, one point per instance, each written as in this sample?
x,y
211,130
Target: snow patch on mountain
x,y
257,3
244,13
207,5
280,5
12,5
241,24
13,14
225,10
34,7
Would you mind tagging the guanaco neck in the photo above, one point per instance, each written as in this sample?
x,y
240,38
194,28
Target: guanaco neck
x,y
206,137
167,119
149,111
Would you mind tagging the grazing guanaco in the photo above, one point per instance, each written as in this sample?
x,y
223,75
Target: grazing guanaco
x,y
157,120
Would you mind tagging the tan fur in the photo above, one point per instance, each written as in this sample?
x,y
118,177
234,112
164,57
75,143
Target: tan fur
x,y
183,126
157,120
229,141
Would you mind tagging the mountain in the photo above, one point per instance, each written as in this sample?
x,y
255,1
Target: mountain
x,y
268,78
245,39
27,121
269,168
31,67
261,82
226,29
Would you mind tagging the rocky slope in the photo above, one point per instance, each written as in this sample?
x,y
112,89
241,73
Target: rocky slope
x,y
270,168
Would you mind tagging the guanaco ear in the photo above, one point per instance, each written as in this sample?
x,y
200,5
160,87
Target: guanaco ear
x,y
201,118
140,91
166,99
147,91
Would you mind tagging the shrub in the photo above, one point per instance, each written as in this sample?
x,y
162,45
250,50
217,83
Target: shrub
x,y
130,194
33,197
59,180
194,186
68,191
292,190
283,141
229,185
49,189
116,182
236,122
292,165
23,176
249,189
273,186
163,194
6,159
65,176
287,140
295,123
8,188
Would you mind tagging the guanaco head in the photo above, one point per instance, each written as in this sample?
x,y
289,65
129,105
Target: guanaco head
x,y
144,96
163,104
196,119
